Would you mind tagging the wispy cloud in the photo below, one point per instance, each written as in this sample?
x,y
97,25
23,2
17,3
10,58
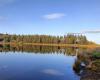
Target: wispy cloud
x,y
95,31
4,2
2,18
87,32
54,16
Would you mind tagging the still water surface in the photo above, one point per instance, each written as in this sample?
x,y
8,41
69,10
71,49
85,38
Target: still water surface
x,y
36,66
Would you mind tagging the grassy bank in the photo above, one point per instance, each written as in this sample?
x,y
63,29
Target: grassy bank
x,y
93,71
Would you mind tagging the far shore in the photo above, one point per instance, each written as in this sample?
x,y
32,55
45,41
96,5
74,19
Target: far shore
x,y
48,44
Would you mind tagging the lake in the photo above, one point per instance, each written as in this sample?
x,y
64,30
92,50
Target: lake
x,y
37,63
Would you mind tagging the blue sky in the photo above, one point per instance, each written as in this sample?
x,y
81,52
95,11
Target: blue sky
x,y
53,17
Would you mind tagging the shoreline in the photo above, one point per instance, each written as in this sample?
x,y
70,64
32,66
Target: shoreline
x,y
92,73
60,45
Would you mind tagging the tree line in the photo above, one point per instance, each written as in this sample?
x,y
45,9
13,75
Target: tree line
x,y
66,39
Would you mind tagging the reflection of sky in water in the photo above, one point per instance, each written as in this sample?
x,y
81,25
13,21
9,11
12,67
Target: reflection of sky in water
x,y
24,66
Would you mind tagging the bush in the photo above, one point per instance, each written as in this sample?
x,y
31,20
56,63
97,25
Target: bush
x,y
96,54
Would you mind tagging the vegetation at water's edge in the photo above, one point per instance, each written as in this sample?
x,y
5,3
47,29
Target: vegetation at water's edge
x,y
67,39
92,71
96,54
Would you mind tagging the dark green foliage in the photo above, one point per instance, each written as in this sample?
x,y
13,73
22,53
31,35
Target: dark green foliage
x,y
96,54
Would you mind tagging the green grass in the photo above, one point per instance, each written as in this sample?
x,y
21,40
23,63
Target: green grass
x,y
96,54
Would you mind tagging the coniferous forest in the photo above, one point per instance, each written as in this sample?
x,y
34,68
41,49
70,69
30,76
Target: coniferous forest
x,y
66,39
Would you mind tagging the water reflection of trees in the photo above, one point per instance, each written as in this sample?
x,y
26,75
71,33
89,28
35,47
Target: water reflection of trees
x,y
80,53
38,49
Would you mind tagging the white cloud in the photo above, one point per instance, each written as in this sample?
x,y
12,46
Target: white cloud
x,y
54,16
95,31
